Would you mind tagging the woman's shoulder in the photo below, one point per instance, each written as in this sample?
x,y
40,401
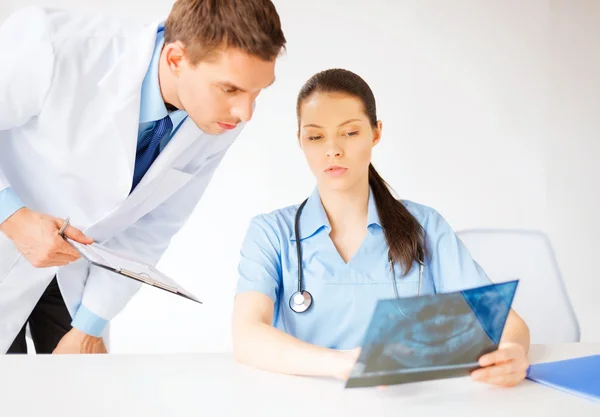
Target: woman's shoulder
x,y
421,212
279,222
428,217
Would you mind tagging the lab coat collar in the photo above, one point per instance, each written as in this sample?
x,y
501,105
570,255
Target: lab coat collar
x,y
152,106
125,78
124,81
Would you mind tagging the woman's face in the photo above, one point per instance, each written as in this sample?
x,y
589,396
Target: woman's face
x,y
337,139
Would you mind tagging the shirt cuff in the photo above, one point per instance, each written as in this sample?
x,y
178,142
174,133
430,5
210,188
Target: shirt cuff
x,y
9,203
88,322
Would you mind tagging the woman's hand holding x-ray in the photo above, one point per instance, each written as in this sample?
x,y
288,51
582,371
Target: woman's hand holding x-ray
x,y
506,366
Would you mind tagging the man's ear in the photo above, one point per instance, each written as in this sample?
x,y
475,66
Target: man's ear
x,y
174,54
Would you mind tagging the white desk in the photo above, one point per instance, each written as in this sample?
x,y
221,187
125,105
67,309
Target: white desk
x,y
213,385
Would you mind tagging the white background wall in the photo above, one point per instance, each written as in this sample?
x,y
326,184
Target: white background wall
x,y
491,115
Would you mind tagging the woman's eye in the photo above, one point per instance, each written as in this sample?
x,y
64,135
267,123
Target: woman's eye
x,y
314,137
228,90
352,133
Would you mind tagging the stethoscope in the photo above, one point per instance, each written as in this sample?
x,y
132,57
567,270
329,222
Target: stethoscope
x,y
301,300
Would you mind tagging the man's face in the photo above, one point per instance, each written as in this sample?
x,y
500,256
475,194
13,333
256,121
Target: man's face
x,y
218,93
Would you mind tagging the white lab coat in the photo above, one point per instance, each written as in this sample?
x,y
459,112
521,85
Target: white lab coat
x,y
70,87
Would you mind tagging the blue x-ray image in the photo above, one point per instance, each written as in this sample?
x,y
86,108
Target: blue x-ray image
x,y
433,336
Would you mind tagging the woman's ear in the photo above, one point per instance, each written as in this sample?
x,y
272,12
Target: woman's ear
x,y
377,132
298,137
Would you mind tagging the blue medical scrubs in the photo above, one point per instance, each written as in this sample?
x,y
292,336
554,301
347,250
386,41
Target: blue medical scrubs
x,y
345,294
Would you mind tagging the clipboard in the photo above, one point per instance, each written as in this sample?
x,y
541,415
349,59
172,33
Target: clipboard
x,y
112,261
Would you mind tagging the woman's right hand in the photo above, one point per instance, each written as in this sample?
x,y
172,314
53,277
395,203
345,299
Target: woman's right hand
x,y
345,360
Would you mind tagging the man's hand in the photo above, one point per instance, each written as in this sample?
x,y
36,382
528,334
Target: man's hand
x,y
506,367
76,341
36,236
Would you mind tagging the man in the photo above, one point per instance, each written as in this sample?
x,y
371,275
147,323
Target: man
x,y
119,126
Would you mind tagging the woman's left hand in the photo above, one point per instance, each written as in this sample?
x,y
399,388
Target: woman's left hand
x,y
506,366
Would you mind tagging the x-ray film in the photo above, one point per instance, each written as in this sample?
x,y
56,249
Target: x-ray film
x,y
433,336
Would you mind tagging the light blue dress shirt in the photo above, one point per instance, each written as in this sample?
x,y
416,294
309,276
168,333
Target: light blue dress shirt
x,y
152,105
344,294
152,108
9,203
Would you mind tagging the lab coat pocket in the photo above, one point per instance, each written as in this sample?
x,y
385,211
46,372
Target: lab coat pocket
x,y
173,180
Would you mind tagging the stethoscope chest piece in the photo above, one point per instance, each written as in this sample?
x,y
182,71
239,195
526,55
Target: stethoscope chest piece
x,y
300,301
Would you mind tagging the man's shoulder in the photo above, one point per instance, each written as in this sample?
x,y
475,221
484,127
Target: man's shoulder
x,y
63,24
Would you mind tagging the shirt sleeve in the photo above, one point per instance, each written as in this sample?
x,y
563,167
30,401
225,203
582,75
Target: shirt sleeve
x,y
88,322
260,265
9,203
450,261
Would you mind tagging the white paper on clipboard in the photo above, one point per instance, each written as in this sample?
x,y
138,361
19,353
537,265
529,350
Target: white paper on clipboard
x,y
109,259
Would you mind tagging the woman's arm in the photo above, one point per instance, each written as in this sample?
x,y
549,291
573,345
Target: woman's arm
x,y
258,344
508,365
515,331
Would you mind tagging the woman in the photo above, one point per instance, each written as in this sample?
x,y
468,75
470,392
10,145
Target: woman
x,y
349,229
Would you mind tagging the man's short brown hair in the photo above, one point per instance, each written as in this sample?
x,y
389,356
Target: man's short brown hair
x,y
204,26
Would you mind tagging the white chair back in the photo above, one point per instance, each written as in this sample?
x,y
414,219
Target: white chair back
x,y
541,298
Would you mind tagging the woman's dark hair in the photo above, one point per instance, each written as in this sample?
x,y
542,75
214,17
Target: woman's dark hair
x,y
403,233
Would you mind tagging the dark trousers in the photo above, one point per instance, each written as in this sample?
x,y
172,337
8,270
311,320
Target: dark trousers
x,y
48,322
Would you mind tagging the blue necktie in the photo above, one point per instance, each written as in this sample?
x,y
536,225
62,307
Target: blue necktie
x,y
149,148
